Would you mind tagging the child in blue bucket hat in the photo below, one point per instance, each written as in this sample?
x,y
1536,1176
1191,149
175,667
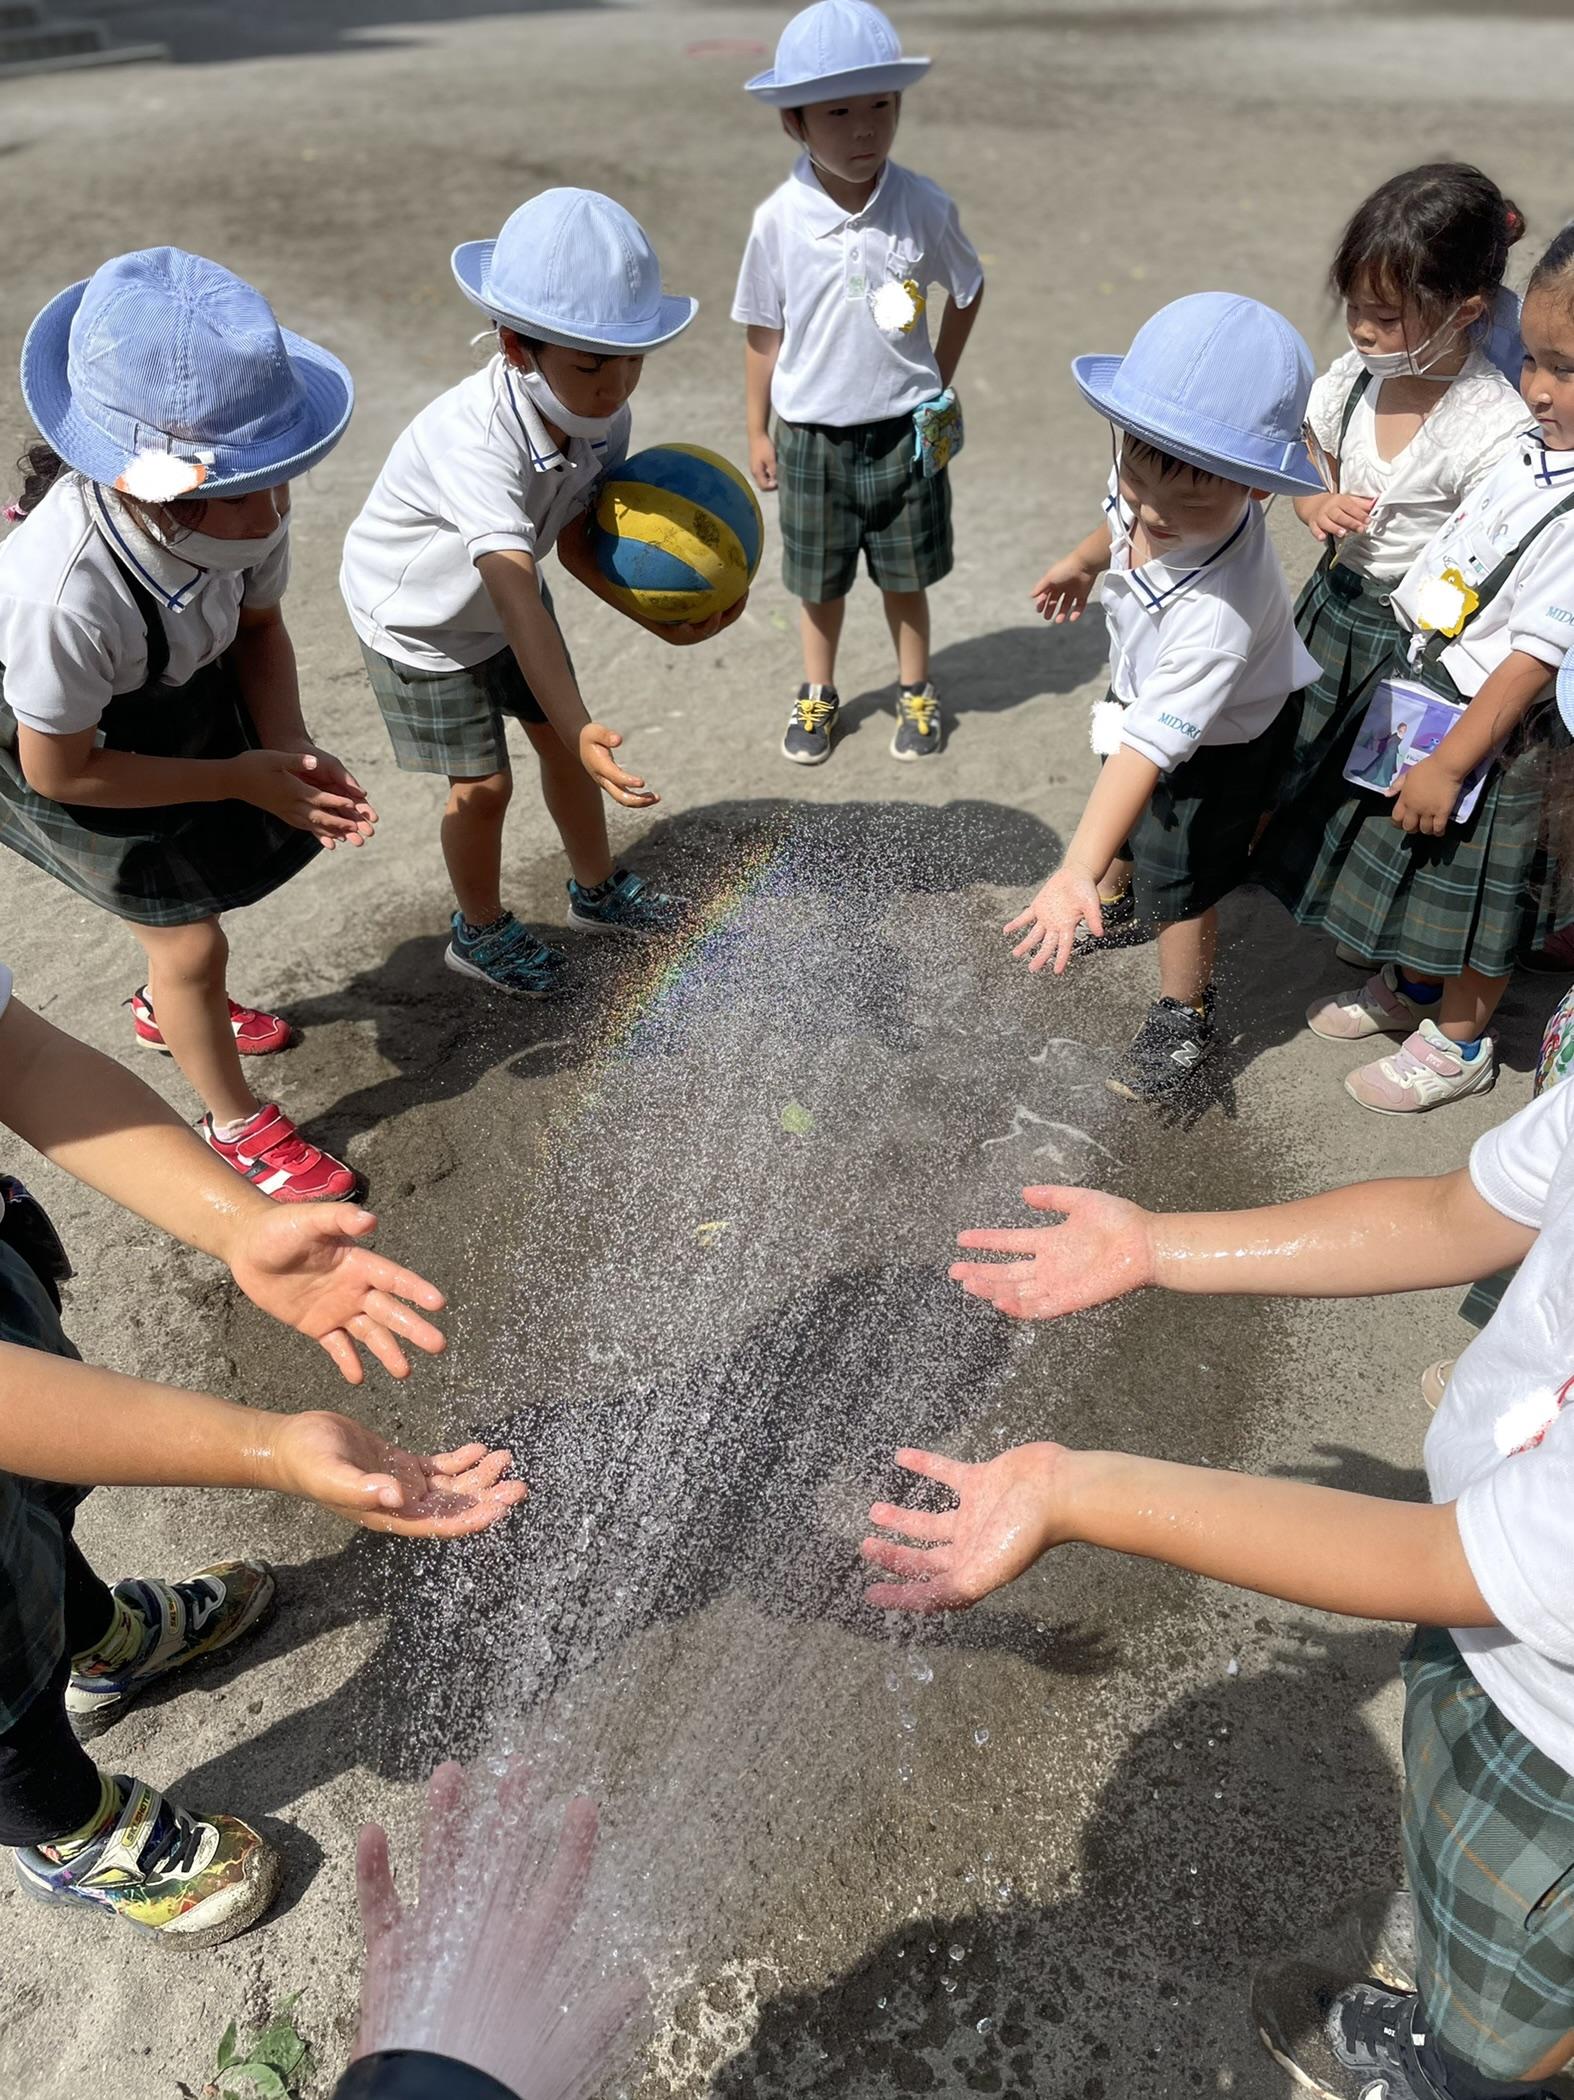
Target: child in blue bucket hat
x,y
153,754
1208,407
442,570
833,292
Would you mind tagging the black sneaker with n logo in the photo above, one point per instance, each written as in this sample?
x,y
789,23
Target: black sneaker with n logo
x,y
1164,1054
811,725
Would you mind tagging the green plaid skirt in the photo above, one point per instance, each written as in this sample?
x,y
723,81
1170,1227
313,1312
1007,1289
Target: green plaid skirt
x,y
32,1630
1489,1851
158,867
859,489
1346,624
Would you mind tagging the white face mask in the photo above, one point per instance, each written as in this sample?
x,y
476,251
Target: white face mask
x,y
228,557
1413,364
546,404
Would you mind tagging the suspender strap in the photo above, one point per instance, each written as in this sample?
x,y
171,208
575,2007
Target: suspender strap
x,y
152,619
1437,643
1352,401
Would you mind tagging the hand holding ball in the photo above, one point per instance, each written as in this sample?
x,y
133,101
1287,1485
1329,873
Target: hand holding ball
x,y
677,534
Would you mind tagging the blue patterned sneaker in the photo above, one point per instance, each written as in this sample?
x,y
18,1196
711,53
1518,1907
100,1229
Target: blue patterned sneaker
x,y
507,956
164,1626
192,1880
625,903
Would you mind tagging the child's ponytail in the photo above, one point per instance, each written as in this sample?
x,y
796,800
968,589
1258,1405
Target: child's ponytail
x,y
40,467
1429,239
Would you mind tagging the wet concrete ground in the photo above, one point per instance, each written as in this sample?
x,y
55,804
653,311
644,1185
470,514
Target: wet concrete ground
x,y
1139,1824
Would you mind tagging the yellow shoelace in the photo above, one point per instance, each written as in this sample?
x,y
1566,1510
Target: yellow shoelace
x,y
921,709
812,714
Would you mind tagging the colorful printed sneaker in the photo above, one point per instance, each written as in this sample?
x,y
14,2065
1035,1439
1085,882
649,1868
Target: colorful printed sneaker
x,y
193,1880
1378,1008
811,725
919,731
164,1626
1426,1071
273,1156
256,1034
1163,1055
1122,928
1343,2040
625,903
507,956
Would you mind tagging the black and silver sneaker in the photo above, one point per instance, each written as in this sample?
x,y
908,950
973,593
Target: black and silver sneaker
x,y
1122,927
1341,2040
918,728
1166,1050
811,725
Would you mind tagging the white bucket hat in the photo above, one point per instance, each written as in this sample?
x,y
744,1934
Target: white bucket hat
x,y
164,373
573,268
836,48
1218,381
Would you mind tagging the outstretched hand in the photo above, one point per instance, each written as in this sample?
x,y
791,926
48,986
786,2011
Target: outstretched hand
x,y
1103,1250
596,745
1005,1517
302,1265
348,1468
1068,900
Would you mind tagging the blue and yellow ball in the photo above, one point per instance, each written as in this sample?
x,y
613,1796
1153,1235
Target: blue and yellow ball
x,y
677,534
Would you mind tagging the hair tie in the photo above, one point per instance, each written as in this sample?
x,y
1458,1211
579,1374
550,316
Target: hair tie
x,y
13,514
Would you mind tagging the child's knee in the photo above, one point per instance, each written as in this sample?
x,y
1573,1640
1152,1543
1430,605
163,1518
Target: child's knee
x,y
481,800
194,954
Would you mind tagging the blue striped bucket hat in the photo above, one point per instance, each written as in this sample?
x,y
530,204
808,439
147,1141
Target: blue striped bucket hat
x,y
1218,381
164,373
574,268
836,48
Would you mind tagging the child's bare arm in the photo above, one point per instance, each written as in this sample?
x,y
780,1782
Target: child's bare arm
x,y
1370,1239
762,347
1315,1546
1424,798
68,1421
1071,895
954,331
514,588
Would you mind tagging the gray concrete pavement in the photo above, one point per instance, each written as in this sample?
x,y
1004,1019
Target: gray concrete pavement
x,y
1140,1822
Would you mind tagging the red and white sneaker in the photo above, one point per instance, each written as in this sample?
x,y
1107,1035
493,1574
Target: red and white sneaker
x,y
256,1034
273,1156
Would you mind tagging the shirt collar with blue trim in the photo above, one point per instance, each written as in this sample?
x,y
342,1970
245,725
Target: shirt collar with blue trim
x,y
540,448
818,211
1548,470
165,572
1157,583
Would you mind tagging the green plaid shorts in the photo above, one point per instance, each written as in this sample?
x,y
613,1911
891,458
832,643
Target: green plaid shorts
x,y
454,722
1489,1850
859,489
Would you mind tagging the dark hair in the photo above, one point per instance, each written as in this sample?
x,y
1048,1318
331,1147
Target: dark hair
x,y
1164,464
1552,273
535,346
40,468
1429,238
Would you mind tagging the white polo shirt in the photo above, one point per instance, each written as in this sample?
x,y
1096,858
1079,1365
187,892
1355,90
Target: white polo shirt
x,y
1202,646
1534,611
1501,1446
71,637
852,351
1458,445
475,472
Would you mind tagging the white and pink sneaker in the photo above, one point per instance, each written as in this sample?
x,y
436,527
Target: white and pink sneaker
x,y
1378,1008
1426,1071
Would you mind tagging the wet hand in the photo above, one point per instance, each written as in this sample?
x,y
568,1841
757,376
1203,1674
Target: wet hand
x,y
304,1267
1338,516
683,634
1425,796
1070,897
288,785
1007,1514
1103,1250
596,746
1062,593
339,1463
